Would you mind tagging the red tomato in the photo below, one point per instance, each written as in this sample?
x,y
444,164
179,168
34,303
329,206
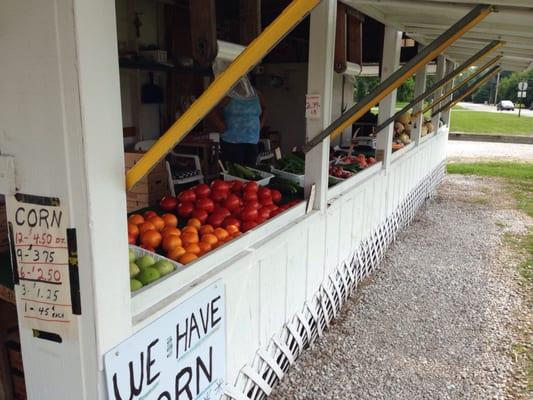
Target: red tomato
x,y
220,185
232,202
149,214
249,195
215,220
237,186
236,212
266,201
247,225
252,203
263,212
219,195
249,214
260,220
202,190
274,213
168,203
264,193
148,248
187,196
131,239
201,215
271,207
185,209
205,204
251,186
276,196
231,221
222,210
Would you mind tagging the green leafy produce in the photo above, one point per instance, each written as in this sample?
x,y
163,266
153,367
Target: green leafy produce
x,y
241,171
285,186
292,163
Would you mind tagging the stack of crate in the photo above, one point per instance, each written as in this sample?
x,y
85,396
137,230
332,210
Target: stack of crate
x,y
150,189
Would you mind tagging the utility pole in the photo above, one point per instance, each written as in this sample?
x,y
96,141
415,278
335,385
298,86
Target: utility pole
x,y
497,87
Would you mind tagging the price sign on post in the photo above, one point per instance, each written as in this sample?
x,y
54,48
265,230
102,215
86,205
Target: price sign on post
x,y
312,106
42,262
522,86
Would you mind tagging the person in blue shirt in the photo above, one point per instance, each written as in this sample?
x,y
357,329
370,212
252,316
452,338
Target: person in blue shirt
x,y
239,118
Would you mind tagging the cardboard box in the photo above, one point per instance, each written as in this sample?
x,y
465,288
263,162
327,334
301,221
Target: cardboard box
x,y
150,189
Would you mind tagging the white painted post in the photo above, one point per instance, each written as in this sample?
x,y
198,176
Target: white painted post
x,y
320,82
391,61
446,116
441,70
60,118
420,87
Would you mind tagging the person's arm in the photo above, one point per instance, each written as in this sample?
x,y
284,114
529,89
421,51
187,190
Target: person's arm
x,y
216,116
263,110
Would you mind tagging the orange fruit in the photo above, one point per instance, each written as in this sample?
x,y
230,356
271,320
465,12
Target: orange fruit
x,y
146,226
206,229
232,229
192,248
176,253
190,228
189,237
151,239
194,222
171,221
136,219
204,247
236,234
187,258
221,234
170,241
210,238
170,231
158,222
133,230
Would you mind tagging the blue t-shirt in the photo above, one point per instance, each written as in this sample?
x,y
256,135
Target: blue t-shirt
x,y
242,120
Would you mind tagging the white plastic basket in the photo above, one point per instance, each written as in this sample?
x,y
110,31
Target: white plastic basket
x,y
139,252
266,177
299,179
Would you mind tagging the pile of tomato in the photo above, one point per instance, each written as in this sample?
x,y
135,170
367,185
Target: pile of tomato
x,y
210,214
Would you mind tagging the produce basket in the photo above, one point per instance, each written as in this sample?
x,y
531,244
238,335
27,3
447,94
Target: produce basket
x,y
266,177
139,252
299,179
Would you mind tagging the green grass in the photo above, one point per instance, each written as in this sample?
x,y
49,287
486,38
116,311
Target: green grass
x,y
519,183
491,123
500,169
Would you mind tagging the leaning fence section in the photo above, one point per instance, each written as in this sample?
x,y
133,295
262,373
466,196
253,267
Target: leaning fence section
x,y
258,378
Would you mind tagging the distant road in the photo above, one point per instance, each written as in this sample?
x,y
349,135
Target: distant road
x,y
490,108
483,151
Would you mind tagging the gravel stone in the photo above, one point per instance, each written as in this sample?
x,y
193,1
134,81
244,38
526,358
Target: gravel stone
x,y
436,320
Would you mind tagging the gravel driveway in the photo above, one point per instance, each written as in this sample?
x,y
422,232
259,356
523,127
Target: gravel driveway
x,y
483,151
436,321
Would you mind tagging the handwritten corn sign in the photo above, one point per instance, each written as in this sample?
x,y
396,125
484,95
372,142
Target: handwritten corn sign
x,y
313,106
180,356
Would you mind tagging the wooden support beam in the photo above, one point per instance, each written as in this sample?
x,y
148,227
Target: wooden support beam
x,y
420,87
355,39
249,20
340,40
203,31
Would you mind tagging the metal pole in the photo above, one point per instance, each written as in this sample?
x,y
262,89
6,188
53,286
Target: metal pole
x,y
471,89
483,52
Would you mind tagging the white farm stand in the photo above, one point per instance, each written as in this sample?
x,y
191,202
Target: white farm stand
x,y
60,119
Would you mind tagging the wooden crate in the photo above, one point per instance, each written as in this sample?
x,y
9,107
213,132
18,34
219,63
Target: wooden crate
x,y
150,189
4,239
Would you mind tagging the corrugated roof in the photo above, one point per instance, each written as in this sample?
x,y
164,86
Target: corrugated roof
x,y
427,19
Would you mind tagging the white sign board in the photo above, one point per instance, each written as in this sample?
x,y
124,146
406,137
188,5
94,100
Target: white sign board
x,y
180,356
42,275
313,105
522,86
521,95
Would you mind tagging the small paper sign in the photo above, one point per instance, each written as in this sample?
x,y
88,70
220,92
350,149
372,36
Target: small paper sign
x,y
312,106
277,153
522,86
41,254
